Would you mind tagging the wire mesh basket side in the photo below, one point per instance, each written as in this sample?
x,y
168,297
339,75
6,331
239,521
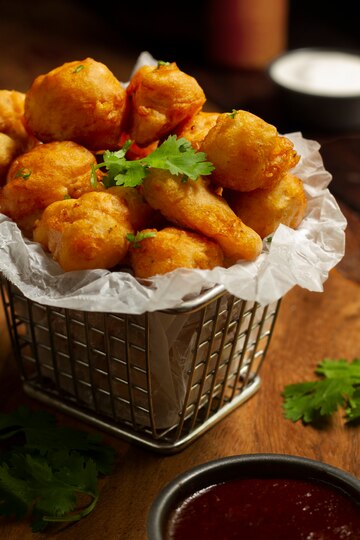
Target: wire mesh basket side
x,y
160,379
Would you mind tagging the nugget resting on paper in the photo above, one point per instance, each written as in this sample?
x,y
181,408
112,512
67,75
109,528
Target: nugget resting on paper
x,y
193,205
264,209
173,248
160,97
247,152
47,173
79,101
85,233
197,127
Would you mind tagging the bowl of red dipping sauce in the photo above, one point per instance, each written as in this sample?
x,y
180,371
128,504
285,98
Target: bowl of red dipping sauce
x,y
257,497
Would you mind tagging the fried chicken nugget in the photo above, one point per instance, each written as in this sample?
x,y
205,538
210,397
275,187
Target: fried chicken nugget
x,y
140,212
8,152
173,248
79,101
12,115
89,232
264,209
14,139
197,127
47,173
247,152
160,97
194,206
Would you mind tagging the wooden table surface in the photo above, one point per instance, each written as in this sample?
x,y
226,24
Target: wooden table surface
x,y
310,326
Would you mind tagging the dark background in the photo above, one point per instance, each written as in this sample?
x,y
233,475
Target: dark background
x,y
173,31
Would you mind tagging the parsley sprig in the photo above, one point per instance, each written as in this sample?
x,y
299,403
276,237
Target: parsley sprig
x,y
175,155
338,387
52,476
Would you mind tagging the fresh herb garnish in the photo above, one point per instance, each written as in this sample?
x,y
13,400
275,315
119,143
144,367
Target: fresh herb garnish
x,y
78,68
339,387
232,114
135,239
24,173
162,63
44,477
175,155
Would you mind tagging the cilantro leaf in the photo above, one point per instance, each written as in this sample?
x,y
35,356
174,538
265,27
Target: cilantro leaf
x,y
175,155
179,157
353,408
44,477
340,368
339,388
15,494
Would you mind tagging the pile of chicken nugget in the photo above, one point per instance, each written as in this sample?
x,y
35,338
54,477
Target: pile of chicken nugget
x,y
52,136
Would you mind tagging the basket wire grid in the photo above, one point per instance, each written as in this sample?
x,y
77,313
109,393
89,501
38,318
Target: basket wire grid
x,y
106,369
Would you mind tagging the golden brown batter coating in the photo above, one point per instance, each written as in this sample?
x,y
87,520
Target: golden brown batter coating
x,y
12,114
8,152
80,101
140,212
173,248
89,232
194,206
47,173
247,152
264,209
14,139
196,128
160,98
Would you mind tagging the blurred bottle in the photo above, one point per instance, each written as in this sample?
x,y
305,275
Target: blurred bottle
x,y
246,33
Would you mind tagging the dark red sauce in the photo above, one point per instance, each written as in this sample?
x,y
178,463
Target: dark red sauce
x,y
266,509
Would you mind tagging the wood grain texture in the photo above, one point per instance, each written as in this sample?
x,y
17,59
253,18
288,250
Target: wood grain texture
x,y
310,326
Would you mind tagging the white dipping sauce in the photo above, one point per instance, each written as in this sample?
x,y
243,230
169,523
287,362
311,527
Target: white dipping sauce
x,y
323,73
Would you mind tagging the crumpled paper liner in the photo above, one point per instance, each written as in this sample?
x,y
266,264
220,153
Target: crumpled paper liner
x,y
301,257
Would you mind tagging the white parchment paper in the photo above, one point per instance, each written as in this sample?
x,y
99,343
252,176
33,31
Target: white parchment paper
x,y
294,257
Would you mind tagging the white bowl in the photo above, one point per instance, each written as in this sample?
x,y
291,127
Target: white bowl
x,y
319,87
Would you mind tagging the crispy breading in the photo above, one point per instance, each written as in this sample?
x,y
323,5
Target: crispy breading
x,y
264,209
89,232
160,98
247,152
8,152
14,138
197,127
173,248
79,101
47,173
141,214
193,205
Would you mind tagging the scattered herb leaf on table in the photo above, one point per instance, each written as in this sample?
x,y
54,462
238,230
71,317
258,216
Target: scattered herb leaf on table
x,y
47,468
338,388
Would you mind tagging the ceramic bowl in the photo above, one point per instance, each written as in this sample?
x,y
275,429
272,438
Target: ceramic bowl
x,y
319,87
253,467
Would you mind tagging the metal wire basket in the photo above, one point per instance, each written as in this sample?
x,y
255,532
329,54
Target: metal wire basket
x,y
159,379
